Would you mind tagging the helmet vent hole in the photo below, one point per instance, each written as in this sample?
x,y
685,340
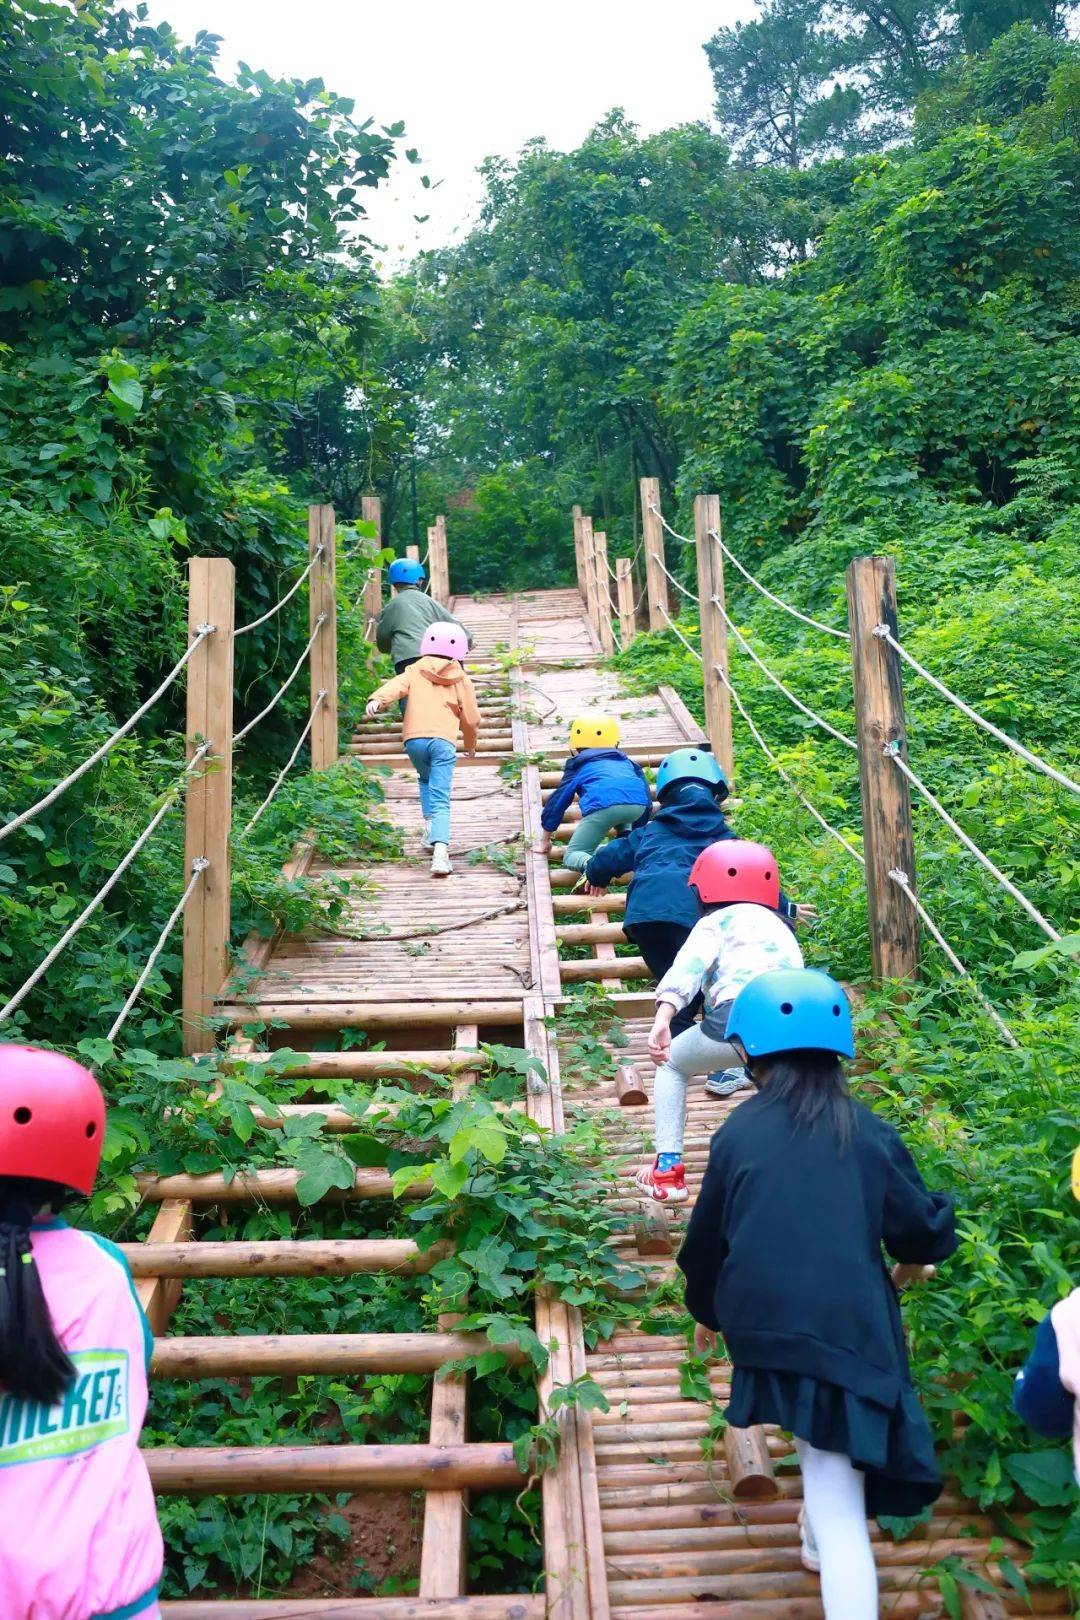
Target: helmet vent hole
x,y
91,1129
786,1008
768,875
23,1116
835,1011
732,871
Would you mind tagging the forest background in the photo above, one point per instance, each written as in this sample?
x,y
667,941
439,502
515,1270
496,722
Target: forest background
x,y
848,305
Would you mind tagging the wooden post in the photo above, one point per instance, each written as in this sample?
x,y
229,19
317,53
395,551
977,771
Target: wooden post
x,y
603,594
208,810
439,561
371,512
888,840
413,552
579,556
588,559
322,603
652,530
714,647
624,588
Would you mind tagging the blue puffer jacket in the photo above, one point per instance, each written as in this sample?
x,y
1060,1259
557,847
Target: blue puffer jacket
x,y
600,777
660,855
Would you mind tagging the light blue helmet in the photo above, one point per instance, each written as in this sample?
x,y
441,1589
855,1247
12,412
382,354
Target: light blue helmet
x,y
691,765
791,1010
404,571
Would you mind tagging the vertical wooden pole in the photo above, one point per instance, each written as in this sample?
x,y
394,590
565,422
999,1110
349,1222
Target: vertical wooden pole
x,y
322,603
714,647
603,594
432,548
208,809
413,552
579,557
371,512
888,839
588,560
652,530
439,561
624,587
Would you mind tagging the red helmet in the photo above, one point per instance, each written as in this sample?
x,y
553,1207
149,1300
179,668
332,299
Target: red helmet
x,y
52,1118
735,869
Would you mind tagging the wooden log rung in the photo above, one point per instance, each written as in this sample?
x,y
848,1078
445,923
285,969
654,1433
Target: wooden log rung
x,y
511,1606
240,1470
278,1354
314,1257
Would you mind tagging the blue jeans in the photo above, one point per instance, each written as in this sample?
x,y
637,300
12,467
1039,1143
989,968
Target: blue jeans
x,y
434,759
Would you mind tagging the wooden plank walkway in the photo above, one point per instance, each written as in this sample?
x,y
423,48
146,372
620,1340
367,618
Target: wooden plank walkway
x,y
638,1525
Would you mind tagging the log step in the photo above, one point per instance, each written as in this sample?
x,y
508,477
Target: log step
x,y
239,1470
314,1257
260,1354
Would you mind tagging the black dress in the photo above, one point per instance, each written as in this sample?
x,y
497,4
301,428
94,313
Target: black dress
x,y
783,1256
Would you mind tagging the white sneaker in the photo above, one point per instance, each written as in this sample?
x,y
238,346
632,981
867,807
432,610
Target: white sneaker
x,y
440,861
808,1552
726,1082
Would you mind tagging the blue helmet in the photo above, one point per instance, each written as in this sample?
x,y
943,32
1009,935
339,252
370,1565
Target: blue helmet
x,y
789,1010
403,571
691,765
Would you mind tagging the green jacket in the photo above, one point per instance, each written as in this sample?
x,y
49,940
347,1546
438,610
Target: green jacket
x,y
403,621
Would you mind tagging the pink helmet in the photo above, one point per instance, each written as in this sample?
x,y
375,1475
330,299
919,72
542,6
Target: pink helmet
x,y
444,641
52,1118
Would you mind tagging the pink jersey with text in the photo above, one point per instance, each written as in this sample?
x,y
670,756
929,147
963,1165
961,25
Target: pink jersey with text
x,y
79,1537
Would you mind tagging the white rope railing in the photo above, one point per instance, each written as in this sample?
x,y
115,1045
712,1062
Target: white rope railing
x,y
284,687
892,751
691,596
684,539
903,883
110,883
829,629
792,784
885,634
673,626
198,867
243,629
819,720
291,761
51,797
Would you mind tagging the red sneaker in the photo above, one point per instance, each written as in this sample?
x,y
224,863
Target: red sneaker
x,y
666,1186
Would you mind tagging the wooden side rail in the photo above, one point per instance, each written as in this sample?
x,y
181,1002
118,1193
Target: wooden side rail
x,y
512,1606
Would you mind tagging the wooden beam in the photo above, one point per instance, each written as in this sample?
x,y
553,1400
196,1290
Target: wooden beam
x,y
888,838
603,594
579,557
714,647
592,594
653,535
368,1014
371,512
620,967
312,1257
512,1606
357,1065
322,604
593,933
240,1470
266,1187
439,561
208,806
257,1354
624,590
172,1228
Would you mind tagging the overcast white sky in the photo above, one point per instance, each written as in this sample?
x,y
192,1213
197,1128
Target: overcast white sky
x,y
472,78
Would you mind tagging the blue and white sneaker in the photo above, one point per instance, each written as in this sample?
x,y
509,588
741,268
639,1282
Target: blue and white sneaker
x,y
726,1082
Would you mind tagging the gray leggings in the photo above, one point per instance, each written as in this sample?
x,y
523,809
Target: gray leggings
x,y
692,1054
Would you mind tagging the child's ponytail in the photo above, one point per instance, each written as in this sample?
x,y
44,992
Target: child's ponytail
x,y
34,1365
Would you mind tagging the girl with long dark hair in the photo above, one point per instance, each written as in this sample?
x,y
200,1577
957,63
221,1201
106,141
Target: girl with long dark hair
x,y
80,1532
783,1255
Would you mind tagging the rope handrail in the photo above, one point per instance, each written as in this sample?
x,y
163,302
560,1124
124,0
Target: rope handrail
x,y
892,751
903,883
691,596
885,634
848,742
198,866
673,626
243,629
106,747
830,630
792,784
291,761
110,883
684,539
284,687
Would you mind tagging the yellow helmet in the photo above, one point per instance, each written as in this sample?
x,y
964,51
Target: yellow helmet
x,y
594,731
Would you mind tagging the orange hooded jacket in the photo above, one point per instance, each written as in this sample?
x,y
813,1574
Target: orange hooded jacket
x,y
440,698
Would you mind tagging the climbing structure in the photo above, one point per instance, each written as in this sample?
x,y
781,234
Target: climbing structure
x,y
646,1517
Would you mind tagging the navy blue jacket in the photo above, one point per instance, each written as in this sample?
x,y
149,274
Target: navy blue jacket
x,y
600,777
1039,1396
783,1253
660,855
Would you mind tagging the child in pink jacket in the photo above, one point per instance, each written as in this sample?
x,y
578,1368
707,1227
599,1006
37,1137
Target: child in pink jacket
x,y
80,1537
